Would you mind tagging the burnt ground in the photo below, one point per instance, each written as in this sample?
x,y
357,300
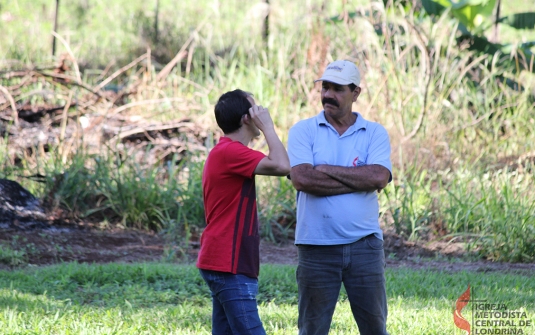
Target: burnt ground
x,y
89,245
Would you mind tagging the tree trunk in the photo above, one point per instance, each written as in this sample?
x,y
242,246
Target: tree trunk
x,y
156,14
265,26
497,19
55,28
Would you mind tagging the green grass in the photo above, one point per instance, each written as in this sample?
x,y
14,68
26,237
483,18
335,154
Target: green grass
x,y
173,299
492,211
495,198
12,257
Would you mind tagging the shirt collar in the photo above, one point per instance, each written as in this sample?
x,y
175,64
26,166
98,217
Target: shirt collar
x,y
361,123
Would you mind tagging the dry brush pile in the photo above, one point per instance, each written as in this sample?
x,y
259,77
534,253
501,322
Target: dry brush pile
x,y
54,121
43,107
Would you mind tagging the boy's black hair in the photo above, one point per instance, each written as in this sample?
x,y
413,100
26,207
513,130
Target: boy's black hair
x,y
230,108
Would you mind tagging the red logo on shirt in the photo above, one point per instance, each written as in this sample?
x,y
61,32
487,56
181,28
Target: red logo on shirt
x,y
355,161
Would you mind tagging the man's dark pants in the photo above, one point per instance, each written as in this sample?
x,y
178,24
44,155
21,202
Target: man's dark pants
x,y
322,270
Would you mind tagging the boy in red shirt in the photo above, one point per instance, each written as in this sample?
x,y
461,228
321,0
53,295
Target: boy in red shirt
x,y
229,255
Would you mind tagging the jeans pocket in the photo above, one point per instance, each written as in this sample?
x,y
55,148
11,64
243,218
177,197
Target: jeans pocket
x,y
214,279
374,243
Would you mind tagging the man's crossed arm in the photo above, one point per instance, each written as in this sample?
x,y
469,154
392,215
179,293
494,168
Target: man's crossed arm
x,y
323,180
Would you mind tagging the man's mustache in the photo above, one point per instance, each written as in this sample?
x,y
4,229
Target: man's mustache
x,y
330,102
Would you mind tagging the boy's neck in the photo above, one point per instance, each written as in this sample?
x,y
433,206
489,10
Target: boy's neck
x,y
241,135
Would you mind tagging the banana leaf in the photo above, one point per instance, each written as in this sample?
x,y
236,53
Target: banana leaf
x,y
520,20
482,45
434,7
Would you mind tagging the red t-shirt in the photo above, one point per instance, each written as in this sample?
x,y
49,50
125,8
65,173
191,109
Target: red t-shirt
x,y
230,242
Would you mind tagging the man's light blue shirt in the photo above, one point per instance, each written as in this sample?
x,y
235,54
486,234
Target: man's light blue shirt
x,y
345,218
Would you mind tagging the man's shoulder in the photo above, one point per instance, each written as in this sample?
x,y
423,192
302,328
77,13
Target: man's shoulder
x,y
371,126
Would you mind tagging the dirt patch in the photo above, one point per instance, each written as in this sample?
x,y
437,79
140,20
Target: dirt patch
x,y
90,245
49,246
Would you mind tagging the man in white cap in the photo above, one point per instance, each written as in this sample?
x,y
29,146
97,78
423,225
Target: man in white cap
x,y
340,161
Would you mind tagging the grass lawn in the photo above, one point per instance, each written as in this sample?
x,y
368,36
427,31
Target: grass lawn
x,y
156,298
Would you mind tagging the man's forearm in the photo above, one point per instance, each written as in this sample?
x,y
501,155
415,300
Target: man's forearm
x,y
306,179
365,178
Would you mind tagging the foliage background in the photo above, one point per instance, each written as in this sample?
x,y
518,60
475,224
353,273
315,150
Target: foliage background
x,y
462,137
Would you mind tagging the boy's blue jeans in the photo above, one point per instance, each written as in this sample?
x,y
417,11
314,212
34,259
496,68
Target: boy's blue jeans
x,y
320,274
235,310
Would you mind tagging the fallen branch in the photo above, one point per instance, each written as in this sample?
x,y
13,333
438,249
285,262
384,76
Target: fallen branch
x,y
167,69
180,54
73,59
118,72
139,130
31,113
141,103
14,115
71,81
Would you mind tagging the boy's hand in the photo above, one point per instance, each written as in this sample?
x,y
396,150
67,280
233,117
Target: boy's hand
x,y
261,118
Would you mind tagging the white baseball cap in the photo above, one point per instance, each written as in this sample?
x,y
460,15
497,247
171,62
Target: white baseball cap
x,y
341,72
